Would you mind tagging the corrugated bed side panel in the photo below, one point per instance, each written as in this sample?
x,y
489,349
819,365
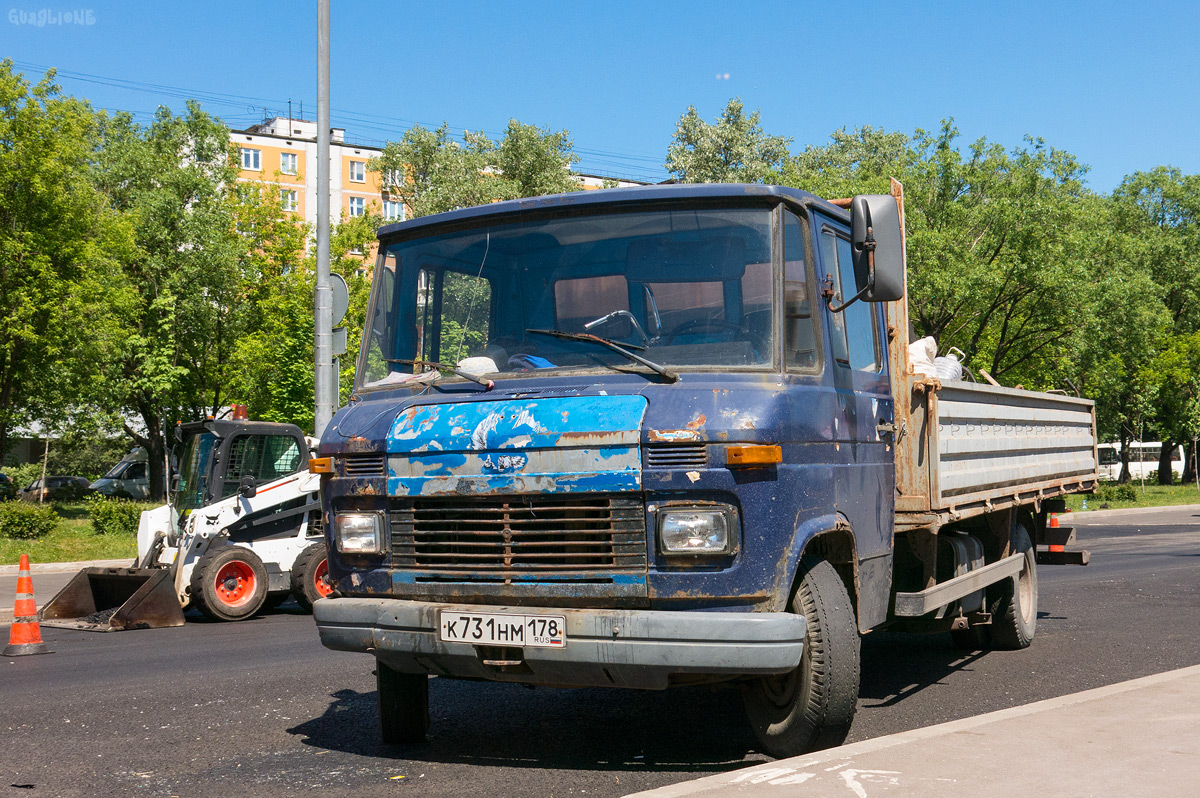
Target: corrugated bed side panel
x,y
991,439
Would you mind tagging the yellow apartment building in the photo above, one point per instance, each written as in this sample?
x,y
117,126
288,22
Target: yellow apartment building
x,y
283,152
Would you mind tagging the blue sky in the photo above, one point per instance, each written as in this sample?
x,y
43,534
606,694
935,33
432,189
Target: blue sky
x,y
1114,84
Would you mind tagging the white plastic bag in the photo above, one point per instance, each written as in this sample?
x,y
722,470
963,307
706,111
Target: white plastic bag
x,y
921,354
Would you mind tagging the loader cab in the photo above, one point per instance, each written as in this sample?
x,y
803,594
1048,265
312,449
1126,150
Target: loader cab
x,y
218,459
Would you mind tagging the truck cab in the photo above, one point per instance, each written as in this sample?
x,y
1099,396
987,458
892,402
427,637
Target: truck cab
x,y
632,438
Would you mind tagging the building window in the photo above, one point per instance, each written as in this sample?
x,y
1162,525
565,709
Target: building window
x,y
288,197
358,171
288,163
358,206
393,211
251,159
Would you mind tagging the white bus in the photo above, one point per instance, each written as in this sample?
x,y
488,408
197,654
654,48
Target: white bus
x,y
1143,460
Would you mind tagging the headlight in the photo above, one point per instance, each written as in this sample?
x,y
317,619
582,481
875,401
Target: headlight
x,y
695,530
358,533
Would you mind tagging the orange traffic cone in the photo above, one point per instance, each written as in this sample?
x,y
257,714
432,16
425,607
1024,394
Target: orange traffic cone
x,y
25,636
1053,524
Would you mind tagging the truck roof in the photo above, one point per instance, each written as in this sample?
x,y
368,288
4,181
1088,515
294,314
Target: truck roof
x,y
616,196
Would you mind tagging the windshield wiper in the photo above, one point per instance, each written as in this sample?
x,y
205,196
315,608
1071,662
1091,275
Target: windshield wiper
x,y
466,375
662,371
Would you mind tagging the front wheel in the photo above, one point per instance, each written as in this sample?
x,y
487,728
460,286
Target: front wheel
x,y
229,583
403,705
1014,601
812,706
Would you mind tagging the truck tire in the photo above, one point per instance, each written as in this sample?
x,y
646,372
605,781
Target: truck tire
x,y
310,576
229,583
403,705
812,707
1014,601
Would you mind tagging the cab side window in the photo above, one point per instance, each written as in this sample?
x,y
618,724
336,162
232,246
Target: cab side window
x,y
800,332
855,330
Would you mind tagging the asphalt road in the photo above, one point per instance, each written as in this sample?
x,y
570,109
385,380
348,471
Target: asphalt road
x,y
259,708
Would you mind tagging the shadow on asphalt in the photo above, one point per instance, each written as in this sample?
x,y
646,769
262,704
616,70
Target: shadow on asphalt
x,y
896,666
687,730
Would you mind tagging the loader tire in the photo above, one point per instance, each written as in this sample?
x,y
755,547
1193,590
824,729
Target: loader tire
x,y
403,705
310,576
812,706
1014,601
229,583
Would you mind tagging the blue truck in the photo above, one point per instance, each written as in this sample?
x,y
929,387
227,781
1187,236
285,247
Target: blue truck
x,y
672,435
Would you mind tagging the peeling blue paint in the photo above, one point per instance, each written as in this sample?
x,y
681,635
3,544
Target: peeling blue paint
x,y
560,445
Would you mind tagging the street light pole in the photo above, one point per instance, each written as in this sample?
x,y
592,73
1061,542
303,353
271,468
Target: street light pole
x,y
325,383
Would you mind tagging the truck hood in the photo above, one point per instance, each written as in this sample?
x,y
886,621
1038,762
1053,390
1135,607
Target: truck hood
x,y
553,445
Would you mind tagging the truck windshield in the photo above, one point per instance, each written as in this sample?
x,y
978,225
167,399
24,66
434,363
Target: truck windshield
x,y
193,471
684,288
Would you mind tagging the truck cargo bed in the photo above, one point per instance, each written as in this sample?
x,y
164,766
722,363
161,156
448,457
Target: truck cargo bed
x,y
969,448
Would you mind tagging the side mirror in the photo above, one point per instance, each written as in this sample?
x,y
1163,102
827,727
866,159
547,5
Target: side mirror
x,y
178,432
878,247
248,487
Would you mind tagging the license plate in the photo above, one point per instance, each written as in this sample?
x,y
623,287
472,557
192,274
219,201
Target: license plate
x,y
493,629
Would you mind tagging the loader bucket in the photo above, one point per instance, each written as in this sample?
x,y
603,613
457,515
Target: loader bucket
x,y
114,600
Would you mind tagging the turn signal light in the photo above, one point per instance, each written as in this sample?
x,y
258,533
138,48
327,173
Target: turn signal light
x,y
753,455
320,465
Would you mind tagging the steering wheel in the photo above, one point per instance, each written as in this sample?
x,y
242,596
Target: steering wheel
x,y
701,325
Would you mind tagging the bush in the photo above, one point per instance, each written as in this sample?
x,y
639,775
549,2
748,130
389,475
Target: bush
x,y
24,521
1112,492
23,475
114,516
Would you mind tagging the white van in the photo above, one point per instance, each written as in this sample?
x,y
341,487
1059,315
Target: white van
x,y
128,479
1143,459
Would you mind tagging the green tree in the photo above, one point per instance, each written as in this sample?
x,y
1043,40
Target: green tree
x,y
734,149
273,373
992,235
1161,210
535,161
431,172
175,181
59,278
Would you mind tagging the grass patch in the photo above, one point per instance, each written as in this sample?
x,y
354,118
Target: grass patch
x,y
1155,495
71,541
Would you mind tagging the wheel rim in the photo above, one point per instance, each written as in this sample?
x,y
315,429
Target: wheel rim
x,y
235,583
321,579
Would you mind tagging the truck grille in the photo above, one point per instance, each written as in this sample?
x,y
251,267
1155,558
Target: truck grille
x,y
517,535
364,465
676,455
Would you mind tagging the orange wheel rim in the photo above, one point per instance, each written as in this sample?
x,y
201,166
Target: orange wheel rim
x,y
321,579
235,583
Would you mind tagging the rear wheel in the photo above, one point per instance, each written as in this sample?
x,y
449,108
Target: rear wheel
x,y
229,583
812,706
310,576
1014,601
403,705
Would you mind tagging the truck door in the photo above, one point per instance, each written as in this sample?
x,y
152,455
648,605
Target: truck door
x,y
858,366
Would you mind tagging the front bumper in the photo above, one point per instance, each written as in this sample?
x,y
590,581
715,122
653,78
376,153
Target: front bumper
x,y
604,648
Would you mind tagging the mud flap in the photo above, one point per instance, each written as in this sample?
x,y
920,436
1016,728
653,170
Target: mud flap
x,y
114,600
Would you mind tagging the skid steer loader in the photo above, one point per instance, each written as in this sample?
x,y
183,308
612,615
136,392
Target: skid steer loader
x,y
241,533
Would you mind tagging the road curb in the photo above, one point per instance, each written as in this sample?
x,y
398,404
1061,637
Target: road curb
x,y
65,567
723,782
1080,517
